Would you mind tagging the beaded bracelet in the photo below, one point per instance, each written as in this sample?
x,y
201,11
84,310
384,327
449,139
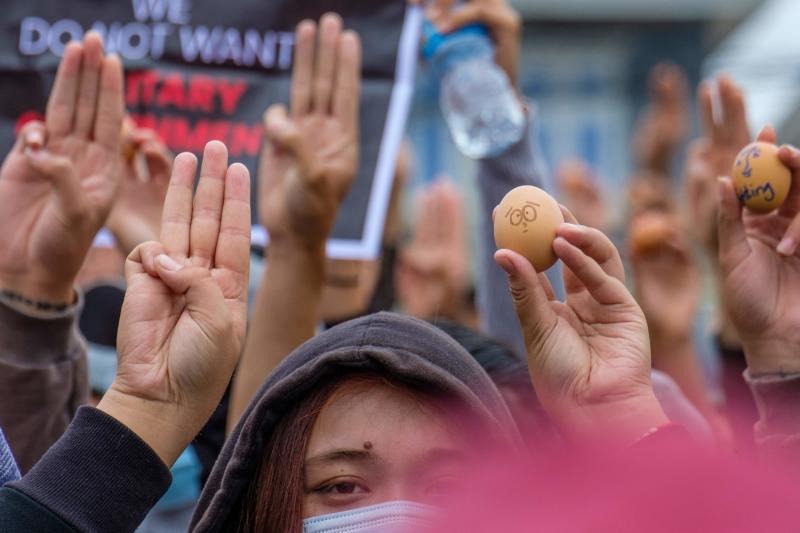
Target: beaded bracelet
x,y
38,305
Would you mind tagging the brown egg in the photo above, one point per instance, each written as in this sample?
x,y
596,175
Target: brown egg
x,y
526,222
762,182
650,230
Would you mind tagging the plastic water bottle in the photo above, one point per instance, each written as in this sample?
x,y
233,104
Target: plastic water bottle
x,y
478,103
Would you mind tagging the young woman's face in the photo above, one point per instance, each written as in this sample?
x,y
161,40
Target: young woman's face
x,y
374,443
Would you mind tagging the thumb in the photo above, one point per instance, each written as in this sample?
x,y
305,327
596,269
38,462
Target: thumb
x,y
203,295
461,16
32,135
733,244
60,171
530,299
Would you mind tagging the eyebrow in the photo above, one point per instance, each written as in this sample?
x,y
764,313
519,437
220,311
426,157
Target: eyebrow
x,y
442,455
348,455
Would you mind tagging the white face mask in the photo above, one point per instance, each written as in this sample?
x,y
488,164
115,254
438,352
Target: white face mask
x,y
397,516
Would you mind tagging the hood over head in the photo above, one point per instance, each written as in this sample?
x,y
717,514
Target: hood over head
x,y
408,349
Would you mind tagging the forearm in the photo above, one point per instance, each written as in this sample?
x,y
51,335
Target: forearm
x,y
100,476
284,316
496,176
43,377
130,234
678,359
777,433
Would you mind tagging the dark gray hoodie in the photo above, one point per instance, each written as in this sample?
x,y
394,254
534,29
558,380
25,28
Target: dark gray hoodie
x,y
408,349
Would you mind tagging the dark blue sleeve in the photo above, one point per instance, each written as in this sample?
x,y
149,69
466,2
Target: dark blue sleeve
x,y
18,513
99,476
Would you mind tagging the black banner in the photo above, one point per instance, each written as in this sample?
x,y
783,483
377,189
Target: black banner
x,y
198,70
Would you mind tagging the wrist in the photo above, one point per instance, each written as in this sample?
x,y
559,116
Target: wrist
x,y
50,295
670,342
669,347
620,423
160,424
287,249
775,356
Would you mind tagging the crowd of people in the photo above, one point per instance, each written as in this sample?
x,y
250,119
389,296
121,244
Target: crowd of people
x,y
221,388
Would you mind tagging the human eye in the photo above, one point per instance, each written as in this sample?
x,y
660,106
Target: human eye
x,y
342,487
341,492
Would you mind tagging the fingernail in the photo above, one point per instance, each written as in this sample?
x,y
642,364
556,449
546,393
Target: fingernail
x,y
787,246
570,225
168,263
35,139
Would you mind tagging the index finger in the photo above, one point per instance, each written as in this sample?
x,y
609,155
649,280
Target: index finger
x,y
302,73
60,113
596,245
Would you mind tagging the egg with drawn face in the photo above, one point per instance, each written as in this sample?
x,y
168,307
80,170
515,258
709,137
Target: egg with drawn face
x,y
761,181
526,222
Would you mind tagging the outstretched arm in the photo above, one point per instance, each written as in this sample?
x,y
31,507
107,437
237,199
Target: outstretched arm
x,y
588,356
760,271
57,184
310,160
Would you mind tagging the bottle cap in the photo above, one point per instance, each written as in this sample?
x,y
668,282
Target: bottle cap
x,y
432,40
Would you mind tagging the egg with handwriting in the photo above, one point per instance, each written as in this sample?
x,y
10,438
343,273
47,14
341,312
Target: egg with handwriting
x,y
526,222
761,180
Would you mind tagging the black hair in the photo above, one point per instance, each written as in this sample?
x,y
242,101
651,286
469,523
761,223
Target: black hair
x,y
502,364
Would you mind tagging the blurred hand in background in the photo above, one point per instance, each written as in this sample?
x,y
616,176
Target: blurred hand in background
x,y
582,194
63,175
311,155
666,279
432,276
665,123
146,164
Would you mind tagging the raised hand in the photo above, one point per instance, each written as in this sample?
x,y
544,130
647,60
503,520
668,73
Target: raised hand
x,y
432,275
712,155
146,164
184,316
59,181
309,162
760,269
311,155
589,357
504,23
730,133
665,122
582,193
702,194
666,283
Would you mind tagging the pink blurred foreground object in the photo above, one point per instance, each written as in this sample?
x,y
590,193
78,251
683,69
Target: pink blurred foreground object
x,y
661,490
